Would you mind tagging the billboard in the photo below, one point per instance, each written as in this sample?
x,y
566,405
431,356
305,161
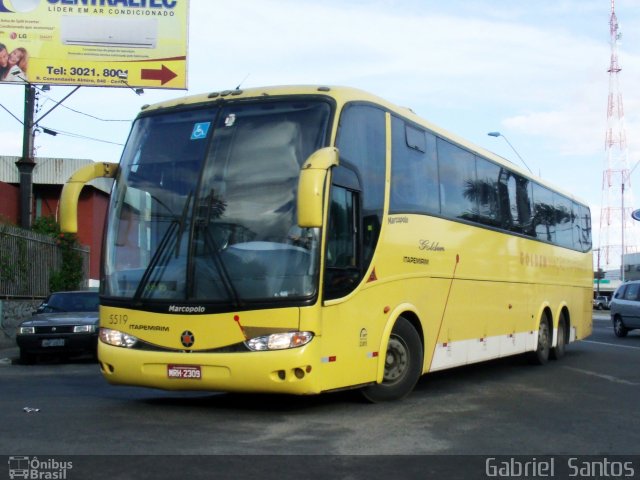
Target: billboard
x,y
108,43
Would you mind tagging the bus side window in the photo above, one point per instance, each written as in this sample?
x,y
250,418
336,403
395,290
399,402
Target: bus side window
x,y
563,208
342,272
519,215
457,173
486,192
582,239
414,170
544,214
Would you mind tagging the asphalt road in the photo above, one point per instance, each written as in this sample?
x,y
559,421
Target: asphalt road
x,y
584,404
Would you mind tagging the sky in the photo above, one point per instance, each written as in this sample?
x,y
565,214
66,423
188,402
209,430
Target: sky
x,y
535,71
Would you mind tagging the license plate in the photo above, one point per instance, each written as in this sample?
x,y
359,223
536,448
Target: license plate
x,y
188,372
53,342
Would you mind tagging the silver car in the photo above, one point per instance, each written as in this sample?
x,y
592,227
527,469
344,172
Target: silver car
x,y
625,308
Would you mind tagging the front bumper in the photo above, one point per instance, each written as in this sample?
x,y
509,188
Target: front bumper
x,y
292,371
71,343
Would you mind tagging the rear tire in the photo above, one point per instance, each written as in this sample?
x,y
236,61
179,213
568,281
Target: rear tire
x,y
560,349
618,328
403,364
541,355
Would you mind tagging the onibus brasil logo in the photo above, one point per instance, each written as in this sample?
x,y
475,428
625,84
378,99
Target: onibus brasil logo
x,y
38,469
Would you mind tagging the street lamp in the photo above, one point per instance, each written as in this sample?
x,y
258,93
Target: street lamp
x,y
498,134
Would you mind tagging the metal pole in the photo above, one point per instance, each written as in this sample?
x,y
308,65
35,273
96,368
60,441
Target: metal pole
x,y
27,162
598,273
622,238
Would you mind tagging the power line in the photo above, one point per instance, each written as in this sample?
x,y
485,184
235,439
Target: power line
x,y
86,114
68,108
9,112
83,137
52,131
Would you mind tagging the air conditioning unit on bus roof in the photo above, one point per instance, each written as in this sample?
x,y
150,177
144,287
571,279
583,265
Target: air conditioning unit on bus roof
x,y
109,31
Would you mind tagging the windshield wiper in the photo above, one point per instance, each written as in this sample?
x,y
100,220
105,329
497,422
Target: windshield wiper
x,y
212,245
214,207
173,234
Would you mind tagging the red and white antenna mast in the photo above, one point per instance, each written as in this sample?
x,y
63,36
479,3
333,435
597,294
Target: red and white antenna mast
x,y
617,230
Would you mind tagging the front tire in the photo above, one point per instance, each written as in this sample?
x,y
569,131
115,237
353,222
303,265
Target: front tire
x,y
618,328
403,364
26,358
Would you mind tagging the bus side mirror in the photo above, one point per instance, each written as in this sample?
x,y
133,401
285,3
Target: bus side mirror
x,y
71,192
311,184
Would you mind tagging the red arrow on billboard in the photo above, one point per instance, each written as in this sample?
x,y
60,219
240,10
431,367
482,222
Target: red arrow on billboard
x,y
164,74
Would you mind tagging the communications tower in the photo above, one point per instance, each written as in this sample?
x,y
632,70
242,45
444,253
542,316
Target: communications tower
x,y
618,233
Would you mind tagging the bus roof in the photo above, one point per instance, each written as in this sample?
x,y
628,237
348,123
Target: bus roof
x,y
342,95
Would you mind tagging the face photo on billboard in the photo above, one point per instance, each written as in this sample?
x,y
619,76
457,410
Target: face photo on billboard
x,y
13,64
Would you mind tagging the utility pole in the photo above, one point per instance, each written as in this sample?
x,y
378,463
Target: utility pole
x,y
27,163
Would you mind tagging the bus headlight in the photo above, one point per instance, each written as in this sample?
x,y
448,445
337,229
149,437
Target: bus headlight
x,y
279,341
116,338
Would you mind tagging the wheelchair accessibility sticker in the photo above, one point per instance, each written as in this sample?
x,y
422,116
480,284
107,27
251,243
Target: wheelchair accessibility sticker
x,y
200,130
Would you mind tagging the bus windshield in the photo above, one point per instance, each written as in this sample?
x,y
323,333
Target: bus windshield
x,y
204,206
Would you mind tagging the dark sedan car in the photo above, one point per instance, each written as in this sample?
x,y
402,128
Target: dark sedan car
x,y
66,323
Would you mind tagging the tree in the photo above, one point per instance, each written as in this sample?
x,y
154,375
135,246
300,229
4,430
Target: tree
x,y
70,274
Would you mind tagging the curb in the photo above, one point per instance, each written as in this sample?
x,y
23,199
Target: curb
x,y
9,356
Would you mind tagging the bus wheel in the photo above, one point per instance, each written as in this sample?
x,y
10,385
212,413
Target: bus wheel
x,y
402,367
541,355
559,350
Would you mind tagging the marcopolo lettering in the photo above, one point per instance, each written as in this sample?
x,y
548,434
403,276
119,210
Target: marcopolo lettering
x,y
118,3
186,309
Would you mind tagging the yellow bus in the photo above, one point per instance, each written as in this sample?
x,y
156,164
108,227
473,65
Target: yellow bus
x,y
311,239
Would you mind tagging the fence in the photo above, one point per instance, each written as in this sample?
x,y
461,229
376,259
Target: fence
x,y
27,260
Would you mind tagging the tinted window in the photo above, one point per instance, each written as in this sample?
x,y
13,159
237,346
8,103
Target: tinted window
x,y
582,226
361,141
544,214
564,221
620,292
414,170
456,168
362,145
518,216
631,292
486,192
416,138
342,244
